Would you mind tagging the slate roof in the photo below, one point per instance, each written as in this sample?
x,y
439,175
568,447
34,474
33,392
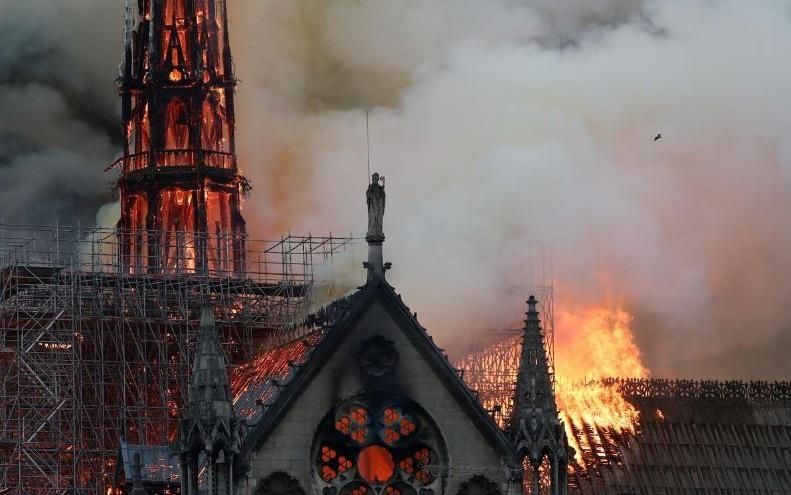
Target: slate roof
x,y
695,437
256,385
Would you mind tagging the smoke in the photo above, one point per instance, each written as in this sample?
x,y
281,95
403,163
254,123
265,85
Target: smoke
x,y
58,120
513,131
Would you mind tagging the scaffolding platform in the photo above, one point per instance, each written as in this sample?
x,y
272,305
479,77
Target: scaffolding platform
x,y
93,350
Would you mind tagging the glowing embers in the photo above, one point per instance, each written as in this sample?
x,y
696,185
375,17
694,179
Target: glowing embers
x,y
537,481
175,75
134,236
254,384
399,489
211,23
214,122
377,446
177,125
176,217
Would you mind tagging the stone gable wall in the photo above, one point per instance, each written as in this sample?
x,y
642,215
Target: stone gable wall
x,y
288,448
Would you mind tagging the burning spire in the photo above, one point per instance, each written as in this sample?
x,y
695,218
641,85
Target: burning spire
x,y
536,430
180,186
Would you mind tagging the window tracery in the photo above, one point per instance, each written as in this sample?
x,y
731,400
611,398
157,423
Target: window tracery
x,y
378,444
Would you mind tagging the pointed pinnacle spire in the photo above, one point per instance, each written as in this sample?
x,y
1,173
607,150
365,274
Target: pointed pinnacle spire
x,y
534,400
375,237
209,395
532,322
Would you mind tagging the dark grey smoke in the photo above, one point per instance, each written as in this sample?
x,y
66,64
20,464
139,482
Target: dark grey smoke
x,y
58,111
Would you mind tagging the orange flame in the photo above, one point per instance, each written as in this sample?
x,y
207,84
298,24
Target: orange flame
x,y
596,343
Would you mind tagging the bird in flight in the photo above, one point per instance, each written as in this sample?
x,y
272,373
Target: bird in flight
x,y
657,137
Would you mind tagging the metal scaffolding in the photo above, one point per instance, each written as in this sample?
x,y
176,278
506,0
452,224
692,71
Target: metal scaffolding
x,y
491,366
91,353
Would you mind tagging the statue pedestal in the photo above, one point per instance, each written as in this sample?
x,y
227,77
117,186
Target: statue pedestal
x,y
375,263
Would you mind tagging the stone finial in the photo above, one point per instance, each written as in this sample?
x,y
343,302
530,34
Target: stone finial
x,y
532,312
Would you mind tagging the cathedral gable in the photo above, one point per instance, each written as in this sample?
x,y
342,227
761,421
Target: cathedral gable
x,y
376,406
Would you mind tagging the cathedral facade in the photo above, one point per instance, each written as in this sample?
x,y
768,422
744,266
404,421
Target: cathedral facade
x,y
363,402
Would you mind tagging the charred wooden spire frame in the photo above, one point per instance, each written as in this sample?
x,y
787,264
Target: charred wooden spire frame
x,y
179,181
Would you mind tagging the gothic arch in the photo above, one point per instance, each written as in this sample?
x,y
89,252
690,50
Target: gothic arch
x,y
279,483
479,485
538,476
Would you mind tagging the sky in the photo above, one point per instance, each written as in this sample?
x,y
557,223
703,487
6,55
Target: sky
x,y
514,135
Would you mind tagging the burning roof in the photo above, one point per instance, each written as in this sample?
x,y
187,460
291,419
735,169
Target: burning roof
x,y
678,436
692,436
652,436
256,385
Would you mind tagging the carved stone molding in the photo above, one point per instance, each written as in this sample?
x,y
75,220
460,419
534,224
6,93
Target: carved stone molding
x,y
378,356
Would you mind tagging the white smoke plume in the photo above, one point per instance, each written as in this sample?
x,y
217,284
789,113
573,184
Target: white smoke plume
x,y
508,125
505,128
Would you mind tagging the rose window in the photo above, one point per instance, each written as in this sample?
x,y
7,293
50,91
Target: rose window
x,y
378,445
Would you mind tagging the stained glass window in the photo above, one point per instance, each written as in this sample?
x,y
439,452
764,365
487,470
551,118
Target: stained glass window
x,y
379,444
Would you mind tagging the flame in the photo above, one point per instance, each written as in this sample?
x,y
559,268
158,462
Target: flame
x,y
596,343
593,342
175,75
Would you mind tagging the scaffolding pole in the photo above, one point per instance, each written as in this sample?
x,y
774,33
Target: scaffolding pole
x,y
93,350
